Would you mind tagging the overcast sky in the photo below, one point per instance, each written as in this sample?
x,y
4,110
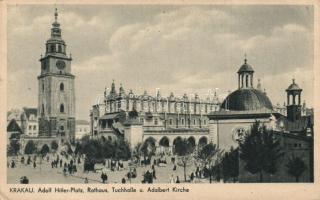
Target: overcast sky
x,y
183,49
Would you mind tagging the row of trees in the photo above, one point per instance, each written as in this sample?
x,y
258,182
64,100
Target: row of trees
x,y
101,148
261,153
30,148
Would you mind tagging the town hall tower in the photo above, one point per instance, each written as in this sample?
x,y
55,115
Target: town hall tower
x,y
56,98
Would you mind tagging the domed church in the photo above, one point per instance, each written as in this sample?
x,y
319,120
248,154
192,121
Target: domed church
x,y
240,110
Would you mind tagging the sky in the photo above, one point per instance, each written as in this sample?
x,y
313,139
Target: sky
x,y
180,49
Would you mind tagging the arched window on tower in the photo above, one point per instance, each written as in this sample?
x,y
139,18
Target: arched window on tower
x,y
61,87
42,109
247,79
52,48
59,48
61,108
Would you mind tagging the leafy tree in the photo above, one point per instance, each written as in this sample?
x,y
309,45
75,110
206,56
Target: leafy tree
x,y
54,145
45,149
13,147
260,150
121,150
184,149
77,150
230,164
30,147
296,167
147,149
208,155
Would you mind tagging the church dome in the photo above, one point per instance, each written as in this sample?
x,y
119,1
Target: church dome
x,y
293,86
245,67
247,99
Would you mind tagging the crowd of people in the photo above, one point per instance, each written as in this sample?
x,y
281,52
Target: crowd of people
x,y
70,165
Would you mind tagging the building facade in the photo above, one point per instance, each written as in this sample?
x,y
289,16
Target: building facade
x,y
82,128
56,97
245,106
160,120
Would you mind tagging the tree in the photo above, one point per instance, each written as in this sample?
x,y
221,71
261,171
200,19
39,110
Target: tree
x,y
296,167
183,148
54,145
13,147
148,149
121,150
30,147
230,164
44,150
260,150
208,156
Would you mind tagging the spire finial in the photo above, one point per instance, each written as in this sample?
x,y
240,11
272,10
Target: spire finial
x,y
293,80
245,58
56,14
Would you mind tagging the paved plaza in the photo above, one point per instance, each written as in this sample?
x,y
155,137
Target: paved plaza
x,y
45,174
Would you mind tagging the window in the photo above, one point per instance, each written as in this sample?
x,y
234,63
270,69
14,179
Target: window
x,y
155,121
182,121
42,110
30,127
34,127
194,121
80,129
61,87
247,80
205,122
239,134
61,128
170,121
42,87
59,49
141,120
295,144
52,48
62,108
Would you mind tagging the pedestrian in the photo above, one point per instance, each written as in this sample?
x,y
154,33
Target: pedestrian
x,y
29,160
123,180
172,179
104,177
174,167
86,180
177,180
154,174
34,164
192,177
60,162
13,164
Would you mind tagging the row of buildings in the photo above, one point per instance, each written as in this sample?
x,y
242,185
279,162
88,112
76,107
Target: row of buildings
x,y
161,121
26,123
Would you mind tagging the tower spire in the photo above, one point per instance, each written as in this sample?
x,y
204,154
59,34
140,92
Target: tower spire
x,y
56,14
245,58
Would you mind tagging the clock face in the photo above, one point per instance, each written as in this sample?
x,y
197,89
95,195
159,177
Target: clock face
x,y
61,64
